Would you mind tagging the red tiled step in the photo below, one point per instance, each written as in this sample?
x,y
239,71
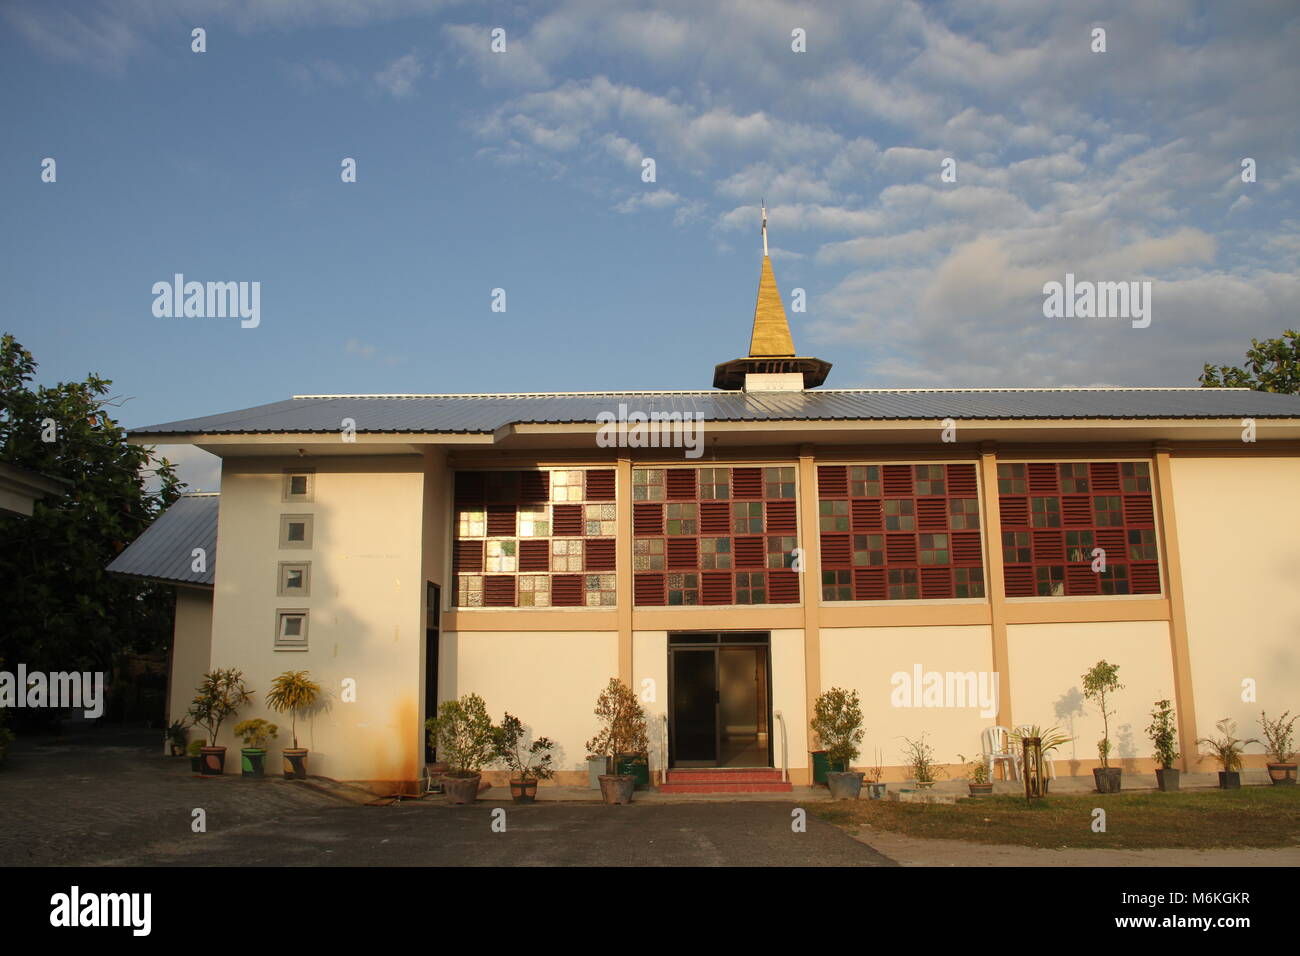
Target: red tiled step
x,y
723,780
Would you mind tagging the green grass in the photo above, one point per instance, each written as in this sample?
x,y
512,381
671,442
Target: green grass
x,y
1204,819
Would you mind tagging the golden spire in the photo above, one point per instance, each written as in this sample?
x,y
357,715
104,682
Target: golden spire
x,y
771,336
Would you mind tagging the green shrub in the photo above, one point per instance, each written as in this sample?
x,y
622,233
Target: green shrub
x,y
837,722
463,735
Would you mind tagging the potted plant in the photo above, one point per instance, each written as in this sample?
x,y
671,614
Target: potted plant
x,y
526,764
920,761
1099,683
195,750
1280,744
177,738
465,738
1163,736
977,777
293,692
1227,750
220,696
623,731
256,734
875,788
1049,739
837,722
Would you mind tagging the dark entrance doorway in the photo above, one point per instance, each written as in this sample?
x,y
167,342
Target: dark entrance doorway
x,y
719,699
433,608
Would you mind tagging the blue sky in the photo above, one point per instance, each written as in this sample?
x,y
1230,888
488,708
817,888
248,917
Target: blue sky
x,y
522,170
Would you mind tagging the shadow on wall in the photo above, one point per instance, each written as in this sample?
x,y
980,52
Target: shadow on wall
x,y
1068,709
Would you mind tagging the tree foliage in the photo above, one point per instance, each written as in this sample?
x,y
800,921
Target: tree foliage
x,y
1271,366
61,609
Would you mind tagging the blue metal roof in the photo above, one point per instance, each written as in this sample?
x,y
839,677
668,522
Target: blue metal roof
x,y
486,413
166,549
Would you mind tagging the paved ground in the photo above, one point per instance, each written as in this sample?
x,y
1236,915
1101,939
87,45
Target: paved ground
x,y
109,797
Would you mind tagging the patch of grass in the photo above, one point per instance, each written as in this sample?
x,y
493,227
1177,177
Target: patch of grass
x,y
1204,819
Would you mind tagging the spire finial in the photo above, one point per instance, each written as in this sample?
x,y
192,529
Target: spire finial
x,y
764,207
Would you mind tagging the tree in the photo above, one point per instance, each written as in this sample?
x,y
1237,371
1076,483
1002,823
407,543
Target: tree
x,y
61,609
1272,366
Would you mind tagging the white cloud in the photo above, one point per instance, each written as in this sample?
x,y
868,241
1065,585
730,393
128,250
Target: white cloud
x,y
398,77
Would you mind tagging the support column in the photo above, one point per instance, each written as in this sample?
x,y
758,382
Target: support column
x,y
995,578
623,595
810,546
1171,565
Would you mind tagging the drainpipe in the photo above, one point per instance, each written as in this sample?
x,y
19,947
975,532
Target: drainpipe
x,y
785,741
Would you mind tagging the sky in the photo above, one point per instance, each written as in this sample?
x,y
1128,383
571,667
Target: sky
x,y
525,170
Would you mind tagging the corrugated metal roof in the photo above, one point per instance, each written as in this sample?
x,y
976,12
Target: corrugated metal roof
x,y
165,550
486,413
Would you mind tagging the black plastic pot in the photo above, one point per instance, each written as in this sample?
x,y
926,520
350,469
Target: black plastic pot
x,y
1229,780
212,761
295,763
636,766
252,761
196,763
1167,779
1107,779
523,791
1282,774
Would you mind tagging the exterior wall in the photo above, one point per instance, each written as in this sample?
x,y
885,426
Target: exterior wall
x,y
789,698
191,649
550,680
650,663
366,606
1239,540
866,658
1047,662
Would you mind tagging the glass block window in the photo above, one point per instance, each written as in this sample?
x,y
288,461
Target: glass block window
x,y
537,538
715,536
900,532
1055,515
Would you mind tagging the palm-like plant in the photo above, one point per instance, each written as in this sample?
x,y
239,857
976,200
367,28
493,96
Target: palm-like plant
x,y
220,695
1228,747
1048,740
293,693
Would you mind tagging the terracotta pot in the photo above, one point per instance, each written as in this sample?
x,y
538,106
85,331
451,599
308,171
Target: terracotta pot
x,y
523,791
979,789
1282,774
460,790
295,763
615,788
212,761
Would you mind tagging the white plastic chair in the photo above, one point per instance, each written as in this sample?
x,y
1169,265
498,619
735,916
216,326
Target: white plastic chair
x,y
995,742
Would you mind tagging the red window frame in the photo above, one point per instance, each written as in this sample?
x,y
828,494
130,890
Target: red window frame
x,y
502,496
901,574
1058,568
765,496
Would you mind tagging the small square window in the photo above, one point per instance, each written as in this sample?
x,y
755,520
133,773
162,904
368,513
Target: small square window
x,y
1136,476
903,585
864,481
299,485
1049,581
837,585
747,517
291,629
1011,479
295,578
295,531
833,515
751,587
968,582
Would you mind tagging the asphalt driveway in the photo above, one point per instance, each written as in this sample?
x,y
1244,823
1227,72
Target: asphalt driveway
x,y
106,796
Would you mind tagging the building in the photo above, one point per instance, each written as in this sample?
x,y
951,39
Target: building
x,y
527,547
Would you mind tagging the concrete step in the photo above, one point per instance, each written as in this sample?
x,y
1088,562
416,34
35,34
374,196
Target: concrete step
x,y
777,787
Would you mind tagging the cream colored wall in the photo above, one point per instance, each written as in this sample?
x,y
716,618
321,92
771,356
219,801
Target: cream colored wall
x,y
650,664
866,658
191,649
1239,539
1047,664
366,606
548,679
790,697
